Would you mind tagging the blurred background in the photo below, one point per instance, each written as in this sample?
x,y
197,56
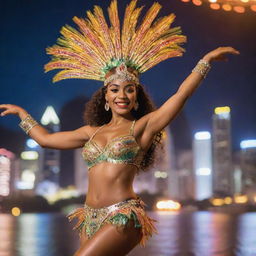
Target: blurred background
x,y
203,191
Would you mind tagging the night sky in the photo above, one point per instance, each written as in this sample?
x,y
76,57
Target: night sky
x,y
28,27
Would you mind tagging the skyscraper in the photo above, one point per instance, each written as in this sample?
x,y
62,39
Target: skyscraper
x,y
223,176
248,166
202,165
7,172
49,158
80,172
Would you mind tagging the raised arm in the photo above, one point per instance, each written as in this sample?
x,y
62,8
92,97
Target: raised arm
x,y
58,140
159,119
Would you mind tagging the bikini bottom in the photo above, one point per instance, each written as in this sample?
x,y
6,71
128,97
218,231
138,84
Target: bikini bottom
x,y
90,220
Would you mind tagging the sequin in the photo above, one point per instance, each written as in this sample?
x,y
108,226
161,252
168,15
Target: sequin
x,y
120,150
90,220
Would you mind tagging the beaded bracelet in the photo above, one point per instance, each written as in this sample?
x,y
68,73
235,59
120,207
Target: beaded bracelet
x,y
27,123
202,67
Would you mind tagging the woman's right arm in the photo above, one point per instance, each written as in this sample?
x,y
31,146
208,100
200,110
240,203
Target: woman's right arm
x,y
58,140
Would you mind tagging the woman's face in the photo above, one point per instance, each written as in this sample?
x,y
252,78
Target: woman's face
x,y
121,96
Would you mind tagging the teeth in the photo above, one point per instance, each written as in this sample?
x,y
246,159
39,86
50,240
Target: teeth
x,y
122,104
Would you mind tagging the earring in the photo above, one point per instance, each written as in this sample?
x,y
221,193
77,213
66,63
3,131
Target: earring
x,y
107,106
136,106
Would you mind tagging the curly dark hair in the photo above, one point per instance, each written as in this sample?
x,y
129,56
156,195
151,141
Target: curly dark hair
x,y
95,115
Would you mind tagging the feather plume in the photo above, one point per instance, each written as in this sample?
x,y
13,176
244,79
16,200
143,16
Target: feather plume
x,y
90,51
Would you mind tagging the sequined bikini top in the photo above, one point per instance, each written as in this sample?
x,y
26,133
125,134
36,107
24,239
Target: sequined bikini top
x,y
122,149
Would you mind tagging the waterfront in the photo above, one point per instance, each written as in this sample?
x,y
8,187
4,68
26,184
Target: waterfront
x,y
180,234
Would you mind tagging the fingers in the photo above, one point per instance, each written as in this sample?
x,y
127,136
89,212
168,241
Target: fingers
x,y
229,49
5,106
8,109
6,112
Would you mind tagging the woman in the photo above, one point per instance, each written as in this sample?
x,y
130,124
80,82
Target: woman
x,y
113,220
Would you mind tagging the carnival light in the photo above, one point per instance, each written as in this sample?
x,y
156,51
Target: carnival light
x,y
238,6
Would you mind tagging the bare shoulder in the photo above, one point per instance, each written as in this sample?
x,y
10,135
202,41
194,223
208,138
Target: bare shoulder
x,y
87,130
84,131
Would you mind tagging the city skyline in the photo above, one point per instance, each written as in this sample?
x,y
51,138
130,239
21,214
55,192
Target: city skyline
x,y
233,83
211,171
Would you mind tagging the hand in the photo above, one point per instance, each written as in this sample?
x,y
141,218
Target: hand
x,y
10,109
220,54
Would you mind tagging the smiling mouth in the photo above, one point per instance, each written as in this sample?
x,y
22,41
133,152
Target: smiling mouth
x,y
122,104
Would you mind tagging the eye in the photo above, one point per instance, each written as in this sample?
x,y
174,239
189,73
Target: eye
x,y
114,90
130,90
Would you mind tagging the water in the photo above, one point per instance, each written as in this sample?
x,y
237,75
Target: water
x,y
180,234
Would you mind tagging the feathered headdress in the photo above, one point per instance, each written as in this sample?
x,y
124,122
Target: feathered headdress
x,y
96,48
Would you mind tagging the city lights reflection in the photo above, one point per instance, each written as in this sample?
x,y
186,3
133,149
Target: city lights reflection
x,y
7,233
179,233
242,199
168,205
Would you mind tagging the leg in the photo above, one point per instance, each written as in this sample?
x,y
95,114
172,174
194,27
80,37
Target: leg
x,y
83,237
111,240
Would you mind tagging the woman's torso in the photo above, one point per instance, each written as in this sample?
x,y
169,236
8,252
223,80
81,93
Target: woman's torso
x,y
112,166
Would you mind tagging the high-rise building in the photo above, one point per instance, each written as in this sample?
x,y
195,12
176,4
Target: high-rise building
x,y
49,158
186,181
248,166
156,180
28,170
7,172
80,172
202,151
223,175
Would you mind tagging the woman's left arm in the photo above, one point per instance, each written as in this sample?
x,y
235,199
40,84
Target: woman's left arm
x,y
160,118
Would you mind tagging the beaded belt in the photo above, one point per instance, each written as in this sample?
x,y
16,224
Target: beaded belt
x,y
96,216
96,212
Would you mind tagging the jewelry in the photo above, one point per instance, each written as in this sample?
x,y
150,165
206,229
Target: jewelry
x,y
106,106
123,75
96,47
27,123
202,68
136,106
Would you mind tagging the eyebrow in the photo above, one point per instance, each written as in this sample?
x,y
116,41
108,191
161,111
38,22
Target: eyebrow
x,y
117,85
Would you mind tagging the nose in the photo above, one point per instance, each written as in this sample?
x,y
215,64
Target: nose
x,y
122,94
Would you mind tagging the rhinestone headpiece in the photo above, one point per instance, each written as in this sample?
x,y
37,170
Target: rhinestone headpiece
x,y
122,74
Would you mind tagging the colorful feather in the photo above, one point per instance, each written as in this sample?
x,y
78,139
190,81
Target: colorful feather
x,y
90,51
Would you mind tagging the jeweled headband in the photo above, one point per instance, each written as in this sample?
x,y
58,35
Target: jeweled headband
x,y
96,48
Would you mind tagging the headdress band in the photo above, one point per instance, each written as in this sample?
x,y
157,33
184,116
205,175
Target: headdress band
x,y
122,74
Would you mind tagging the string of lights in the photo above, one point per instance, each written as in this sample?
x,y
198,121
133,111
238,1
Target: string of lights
x,y
239,6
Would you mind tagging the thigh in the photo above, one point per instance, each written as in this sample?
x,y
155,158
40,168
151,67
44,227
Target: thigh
x,y
83,237
111,240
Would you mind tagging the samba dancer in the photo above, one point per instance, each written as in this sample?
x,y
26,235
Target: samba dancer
x,y
123,128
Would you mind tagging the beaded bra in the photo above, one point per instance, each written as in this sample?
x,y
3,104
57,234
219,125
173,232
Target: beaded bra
x,y
122,149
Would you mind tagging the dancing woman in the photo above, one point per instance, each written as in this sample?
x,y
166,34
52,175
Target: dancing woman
x,y
122,128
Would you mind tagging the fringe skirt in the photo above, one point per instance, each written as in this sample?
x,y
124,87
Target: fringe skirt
x,y
119,214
